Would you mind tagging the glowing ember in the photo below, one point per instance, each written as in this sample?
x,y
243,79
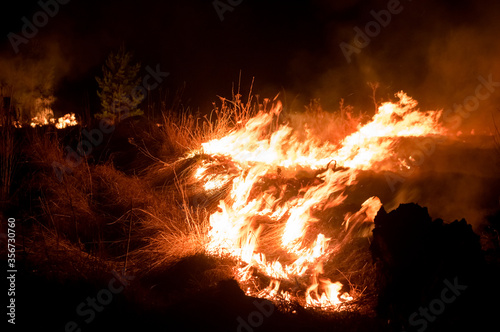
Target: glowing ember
x,y
280,184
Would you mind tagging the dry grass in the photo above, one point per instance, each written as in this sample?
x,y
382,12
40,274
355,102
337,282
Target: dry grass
x,y
8,160
183,131
173,241
107,215
57,258
327,126
100,218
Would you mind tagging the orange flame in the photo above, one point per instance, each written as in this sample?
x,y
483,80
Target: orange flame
x,y
252,212
46,117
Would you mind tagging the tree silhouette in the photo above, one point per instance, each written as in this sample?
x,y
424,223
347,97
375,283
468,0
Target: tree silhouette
x,y
119,87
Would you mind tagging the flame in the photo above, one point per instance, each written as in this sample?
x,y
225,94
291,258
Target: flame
x,y
46,117
42,118
66,121
279,183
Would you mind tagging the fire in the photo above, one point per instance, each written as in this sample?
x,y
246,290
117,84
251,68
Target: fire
x,y
46,117
368,146
43,118
66,121
278,184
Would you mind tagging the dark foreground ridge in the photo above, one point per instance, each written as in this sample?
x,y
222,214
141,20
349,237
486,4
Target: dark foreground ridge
x,y
431,276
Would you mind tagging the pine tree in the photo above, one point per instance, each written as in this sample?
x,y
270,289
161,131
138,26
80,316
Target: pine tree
x,y
119,92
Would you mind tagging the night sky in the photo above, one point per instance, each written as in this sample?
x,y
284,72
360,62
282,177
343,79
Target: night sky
x,y
433,50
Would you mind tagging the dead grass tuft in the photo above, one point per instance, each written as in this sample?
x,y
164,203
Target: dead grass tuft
x,y
327,126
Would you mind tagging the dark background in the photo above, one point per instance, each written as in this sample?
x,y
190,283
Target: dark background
x,y
433,50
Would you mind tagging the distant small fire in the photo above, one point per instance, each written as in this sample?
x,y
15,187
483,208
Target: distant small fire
x,y
67,120
43,118
47,117
279,185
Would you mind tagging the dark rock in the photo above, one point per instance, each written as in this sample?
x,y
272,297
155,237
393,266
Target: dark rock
x,y
416,258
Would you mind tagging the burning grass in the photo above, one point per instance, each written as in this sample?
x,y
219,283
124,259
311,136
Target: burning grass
x,y
283,181
246,193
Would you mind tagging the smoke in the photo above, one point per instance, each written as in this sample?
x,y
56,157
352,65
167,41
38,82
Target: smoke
x,y
461,181
30,77
434,51
440,53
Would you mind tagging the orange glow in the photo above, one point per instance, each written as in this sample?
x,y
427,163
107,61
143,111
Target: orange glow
x,y
46,117
66,121
42,118
266,228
